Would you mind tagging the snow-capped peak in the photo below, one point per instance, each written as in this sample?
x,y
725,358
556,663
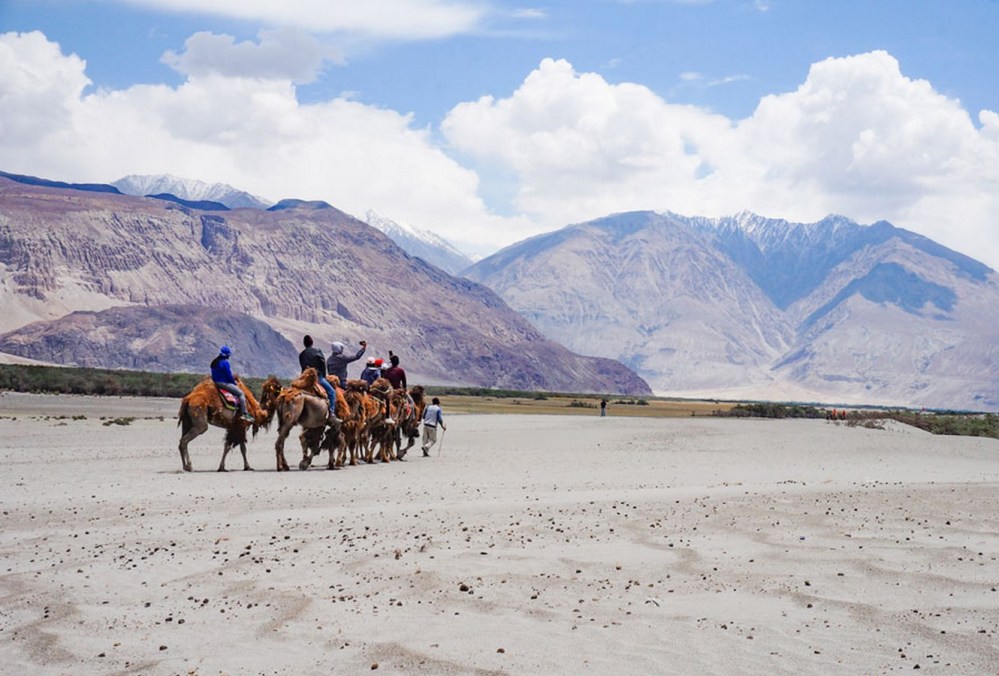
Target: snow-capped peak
x,y
189,189
390,227
420,242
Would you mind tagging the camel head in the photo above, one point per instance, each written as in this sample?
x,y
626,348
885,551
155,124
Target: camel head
x,y
268,401
397,406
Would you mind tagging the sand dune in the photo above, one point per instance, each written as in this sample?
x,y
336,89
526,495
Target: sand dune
x,y
530,544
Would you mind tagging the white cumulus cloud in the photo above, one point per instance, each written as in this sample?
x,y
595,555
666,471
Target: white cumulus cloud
x,y
856,138
39,87
249,132
281,54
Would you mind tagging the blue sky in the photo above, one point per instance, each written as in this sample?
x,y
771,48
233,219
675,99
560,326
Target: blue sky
x,y
488,121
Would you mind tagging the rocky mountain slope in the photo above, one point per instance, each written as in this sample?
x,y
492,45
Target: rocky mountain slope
x,y
301,267
163,338
762,308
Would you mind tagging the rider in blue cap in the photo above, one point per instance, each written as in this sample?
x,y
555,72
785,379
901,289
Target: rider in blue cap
x,y
223,378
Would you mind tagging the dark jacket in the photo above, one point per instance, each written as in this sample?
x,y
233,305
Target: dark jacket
x,y
222,371
313,356
370,374
336,365
397,376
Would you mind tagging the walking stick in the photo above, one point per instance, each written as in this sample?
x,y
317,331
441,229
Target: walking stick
x,y
440,446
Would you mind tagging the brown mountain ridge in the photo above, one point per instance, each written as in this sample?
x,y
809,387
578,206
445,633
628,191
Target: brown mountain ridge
x,y
299,267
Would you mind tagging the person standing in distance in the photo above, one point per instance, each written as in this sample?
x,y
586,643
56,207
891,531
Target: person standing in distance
x,y
432,417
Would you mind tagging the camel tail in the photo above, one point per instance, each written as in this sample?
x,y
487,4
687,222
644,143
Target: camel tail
x,y
184,418
235,435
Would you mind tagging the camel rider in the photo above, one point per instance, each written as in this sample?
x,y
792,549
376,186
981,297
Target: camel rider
x,y
371,372
224,380
395,374
313,356
336,365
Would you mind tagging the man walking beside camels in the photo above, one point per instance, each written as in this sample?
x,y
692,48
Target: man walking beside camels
x,y
432,417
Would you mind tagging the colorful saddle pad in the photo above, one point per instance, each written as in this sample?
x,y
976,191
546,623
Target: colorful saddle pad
x,y
229,399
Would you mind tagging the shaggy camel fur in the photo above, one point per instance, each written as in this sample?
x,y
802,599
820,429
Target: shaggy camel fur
x,y
203,407
382,427
374,412
354,421
410,416
299,405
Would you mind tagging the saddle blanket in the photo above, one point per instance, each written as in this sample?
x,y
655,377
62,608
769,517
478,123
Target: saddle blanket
x,y
229,399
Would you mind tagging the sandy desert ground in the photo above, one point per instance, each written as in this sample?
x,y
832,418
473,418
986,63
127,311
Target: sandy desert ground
x,y
528,545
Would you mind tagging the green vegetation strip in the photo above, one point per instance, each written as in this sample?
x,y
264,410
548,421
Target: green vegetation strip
x,y
112,382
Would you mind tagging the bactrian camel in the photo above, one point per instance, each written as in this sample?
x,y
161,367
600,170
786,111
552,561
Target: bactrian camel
x,y
203,406
305,404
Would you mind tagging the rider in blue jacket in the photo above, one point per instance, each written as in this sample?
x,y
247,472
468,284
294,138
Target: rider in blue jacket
x,y
223,379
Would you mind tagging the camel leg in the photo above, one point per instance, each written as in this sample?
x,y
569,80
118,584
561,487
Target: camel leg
x,y
341,452
334,452
235,435
400,452
306,451
225,451
350,447
246,464
199,425
390,445
332,441
410,439
283,431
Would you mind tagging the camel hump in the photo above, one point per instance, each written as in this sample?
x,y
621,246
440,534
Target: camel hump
x,y
357,386
306,382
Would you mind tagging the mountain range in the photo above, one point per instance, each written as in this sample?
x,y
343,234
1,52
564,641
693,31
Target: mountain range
x,y
744,306
751,307
90,275
415,241
189,190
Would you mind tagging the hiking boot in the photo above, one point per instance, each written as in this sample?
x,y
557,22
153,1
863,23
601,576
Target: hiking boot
x,y
247,417
426,453
332,419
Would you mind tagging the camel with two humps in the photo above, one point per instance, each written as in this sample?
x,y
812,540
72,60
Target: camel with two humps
x,y
360,406
305,404
410,415
203,407
381,427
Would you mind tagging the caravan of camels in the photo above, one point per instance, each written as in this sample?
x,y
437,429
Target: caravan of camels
x,y
372,419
